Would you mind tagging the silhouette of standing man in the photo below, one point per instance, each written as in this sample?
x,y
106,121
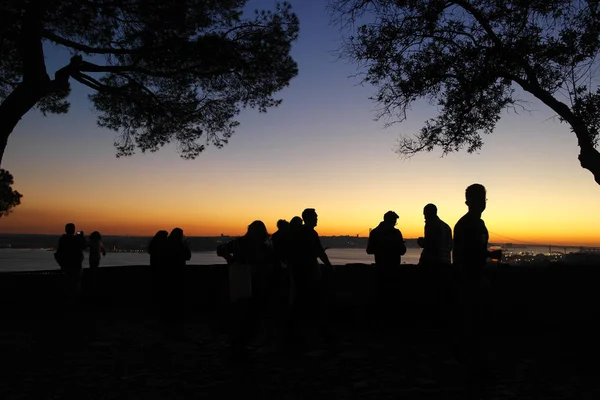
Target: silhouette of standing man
x,y
312,283
471,237
469,256
387,245
386,242
435,261
437,242
69,254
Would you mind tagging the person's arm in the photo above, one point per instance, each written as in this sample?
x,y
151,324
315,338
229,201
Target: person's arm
x,y
401,244
496,254
187,254
323,256
457,245
425,241
371,244
102,249
449,240
225,250
321,252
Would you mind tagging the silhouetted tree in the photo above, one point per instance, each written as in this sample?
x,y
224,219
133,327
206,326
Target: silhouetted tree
x,y
465,56
161,71
9,198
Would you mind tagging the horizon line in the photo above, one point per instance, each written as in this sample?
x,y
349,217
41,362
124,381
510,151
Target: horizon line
x,y
322,236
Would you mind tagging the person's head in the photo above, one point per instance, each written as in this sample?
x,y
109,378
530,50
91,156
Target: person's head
x,y
258,231
95,236
296,223
310,217
161,235
282,225
430,211
390,218
176,234
475,197
70,228
160,239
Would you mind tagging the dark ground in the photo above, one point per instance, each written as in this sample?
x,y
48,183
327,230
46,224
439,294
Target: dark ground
x,y
109,351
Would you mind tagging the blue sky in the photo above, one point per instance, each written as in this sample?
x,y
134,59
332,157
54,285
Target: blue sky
x,y
320,148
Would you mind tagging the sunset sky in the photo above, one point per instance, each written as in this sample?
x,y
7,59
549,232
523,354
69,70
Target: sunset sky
x,y
320,148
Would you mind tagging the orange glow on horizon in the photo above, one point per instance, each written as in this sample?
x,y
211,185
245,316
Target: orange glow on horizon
x,y
139,223
320,148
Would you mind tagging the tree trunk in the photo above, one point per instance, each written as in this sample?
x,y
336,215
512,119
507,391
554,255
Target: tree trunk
x,y
589,158
35,79
14,107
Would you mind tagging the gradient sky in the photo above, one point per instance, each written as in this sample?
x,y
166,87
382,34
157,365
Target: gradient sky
x,y
320,148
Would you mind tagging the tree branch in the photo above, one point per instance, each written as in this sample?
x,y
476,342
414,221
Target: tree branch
x,y
32,52
86,49
468,7
91,82
496,40
91,67
557,106
235,28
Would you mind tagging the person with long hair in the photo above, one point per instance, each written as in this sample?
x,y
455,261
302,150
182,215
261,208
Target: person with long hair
x,y
157,248
173,275
250,259
97,250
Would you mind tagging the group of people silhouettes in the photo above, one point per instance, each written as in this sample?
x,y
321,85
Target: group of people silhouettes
x,y
266,274
70,255
269,274
256,264
468,249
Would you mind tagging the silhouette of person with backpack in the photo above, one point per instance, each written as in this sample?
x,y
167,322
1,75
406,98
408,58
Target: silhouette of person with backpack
x,y
69,255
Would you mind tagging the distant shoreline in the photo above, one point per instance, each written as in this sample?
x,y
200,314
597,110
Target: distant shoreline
x,y
208,243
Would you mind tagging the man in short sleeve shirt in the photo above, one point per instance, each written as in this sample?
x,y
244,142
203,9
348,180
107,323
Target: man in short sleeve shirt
x,y
470,254
471,236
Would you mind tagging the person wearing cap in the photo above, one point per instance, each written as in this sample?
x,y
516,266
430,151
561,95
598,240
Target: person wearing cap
x,y
386,242
437,242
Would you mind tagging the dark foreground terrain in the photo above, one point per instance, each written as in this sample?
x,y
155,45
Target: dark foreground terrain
x,y
540,341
